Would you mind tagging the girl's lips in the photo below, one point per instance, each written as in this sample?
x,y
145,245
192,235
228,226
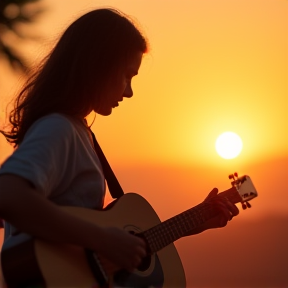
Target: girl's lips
x,y
117,103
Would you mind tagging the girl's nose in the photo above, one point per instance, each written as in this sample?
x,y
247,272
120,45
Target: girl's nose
x,y
128,91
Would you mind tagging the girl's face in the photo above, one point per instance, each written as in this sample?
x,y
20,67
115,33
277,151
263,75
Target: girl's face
x,y
120,88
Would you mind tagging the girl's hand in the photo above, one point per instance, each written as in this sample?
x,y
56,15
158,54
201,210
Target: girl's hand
x,y
226,208
122,249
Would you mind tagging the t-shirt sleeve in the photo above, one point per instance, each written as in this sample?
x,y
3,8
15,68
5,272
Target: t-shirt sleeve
x,y
43,155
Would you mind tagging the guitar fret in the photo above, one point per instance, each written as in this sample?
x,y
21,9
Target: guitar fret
x,y
187,223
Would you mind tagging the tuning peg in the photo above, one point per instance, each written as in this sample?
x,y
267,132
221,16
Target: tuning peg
x,y
232,176
244,206
248,204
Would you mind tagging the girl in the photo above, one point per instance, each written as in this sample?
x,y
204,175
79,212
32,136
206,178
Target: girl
x,y
54,163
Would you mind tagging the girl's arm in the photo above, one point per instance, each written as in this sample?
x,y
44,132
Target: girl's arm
x,y
24,208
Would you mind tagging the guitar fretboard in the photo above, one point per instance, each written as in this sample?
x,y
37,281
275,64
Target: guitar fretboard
x,y
184,223
179,226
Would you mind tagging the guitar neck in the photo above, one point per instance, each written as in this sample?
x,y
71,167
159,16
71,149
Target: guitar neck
x,y
184,223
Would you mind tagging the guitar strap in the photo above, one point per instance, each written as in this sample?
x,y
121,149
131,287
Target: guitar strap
x,y
115,188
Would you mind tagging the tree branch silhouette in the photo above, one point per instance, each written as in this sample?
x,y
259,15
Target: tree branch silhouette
x,y
13,13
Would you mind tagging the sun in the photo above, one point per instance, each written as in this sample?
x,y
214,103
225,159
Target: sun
x,y
228,145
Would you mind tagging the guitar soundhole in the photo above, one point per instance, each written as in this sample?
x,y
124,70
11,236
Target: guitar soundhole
x,y
145,264
148,274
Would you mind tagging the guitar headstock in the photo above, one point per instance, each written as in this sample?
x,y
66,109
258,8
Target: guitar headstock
x,y
242,190
245,188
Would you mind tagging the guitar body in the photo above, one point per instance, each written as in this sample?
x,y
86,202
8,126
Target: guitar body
x,y
68,266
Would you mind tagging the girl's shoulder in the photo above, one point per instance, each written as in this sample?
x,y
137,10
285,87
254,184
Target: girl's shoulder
x,y
54,119
54,124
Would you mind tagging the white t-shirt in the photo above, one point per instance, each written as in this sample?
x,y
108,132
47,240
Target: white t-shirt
x,y
57,157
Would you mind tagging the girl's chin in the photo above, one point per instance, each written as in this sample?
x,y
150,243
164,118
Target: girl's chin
x,y
104,112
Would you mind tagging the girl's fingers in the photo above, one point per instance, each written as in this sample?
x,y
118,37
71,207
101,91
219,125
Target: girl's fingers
x,y
227,208
212,194
232,207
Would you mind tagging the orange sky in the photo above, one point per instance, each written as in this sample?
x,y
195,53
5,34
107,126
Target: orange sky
x,y
214,66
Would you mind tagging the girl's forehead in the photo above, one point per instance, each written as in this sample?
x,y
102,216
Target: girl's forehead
x,y
134,63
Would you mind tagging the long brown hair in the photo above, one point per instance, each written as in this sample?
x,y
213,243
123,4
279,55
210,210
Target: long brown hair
x,y
77,69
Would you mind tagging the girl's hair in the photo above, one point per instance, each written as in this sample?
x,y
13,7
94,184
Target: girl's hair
x,y
89,53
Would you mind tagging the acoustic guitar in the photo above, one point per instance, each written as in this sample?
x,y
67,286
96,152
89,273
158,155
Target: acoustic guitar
x,y
30,262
